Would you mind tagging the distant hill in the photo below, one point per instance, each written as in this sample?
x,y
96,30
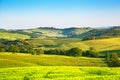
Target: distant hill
x,y
50,32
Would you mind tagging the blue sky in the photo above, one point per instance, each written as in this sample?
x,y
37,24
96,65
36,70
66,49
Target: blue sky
x,y
16,14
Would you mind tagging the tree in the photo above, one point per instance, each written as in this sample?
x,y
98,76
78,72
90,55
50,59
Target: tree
x,y
114,57
2,50
108,57
114,60
33,52
14,49
39,51
74,52
92,52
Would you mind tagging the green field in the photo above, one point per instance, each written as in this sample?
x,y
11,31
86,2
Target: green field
x,y
13,36
20,60
60,73
21,66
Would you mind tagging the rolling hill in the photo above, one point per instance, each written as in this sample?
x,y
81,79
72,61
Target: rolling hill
x,y
50,32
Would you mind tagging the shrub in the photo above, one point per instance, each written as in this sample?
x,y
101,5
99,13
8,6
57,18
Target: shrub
x,y
91,52
113,60
14,49
39,51
74,52
2,50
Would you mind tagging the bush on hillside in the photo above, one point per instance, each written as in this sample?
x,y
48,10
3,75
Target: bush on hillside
x,y
113,60
14,49
55,52
39,51
2,50
74,52
91,52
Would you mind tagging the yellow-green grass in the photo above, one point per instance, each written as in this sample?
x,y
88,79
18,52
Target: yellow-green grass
x,y
60,73
100,45
17,60
13,36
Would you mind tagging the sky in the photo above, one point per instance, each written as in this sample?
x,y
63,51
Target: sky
x,y
24,14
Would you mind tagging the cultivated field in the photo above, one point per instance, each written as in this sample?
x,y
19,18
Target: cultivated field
x,y
60,73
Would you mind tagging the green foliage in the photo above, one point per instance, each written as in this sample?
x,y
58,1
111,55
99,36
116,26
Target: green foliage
x,y
56,52
91,52
39,51
113,60
114,57
32,51
107,57
14,49
74,52
2,50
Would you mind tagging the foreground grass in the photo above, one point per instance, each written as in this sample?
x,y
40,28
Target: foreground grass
x,y
60,73
21,60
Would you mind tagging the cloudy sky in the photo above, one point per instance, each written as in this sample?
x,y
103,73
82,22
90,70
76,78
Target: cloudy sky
x,y
17,14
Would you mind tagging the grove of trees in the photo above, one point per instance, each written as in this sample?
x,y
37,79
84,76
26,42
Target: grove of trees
x,y
113,60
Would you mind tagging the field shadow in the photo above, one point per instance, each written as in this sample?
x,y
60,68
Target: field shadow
x,y
103,53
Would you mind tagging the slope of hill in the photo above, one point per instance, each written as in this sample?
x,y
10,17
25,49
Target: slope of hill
x,y
100,45
19,60
13,36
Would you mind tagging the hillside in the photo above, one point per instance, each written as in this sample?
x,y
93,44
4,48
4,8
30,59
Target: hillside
x,y
50,32
21,60
103,32
102,45
6,34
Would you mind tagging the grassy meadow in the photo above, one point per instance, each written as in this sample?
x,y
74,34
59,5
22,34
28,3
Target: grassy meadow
x,y
13,36
21,66
60,73
20,60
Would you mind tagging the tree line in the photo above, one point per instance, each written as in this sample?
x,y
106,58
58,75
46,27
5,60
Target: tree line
x,y
75,52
